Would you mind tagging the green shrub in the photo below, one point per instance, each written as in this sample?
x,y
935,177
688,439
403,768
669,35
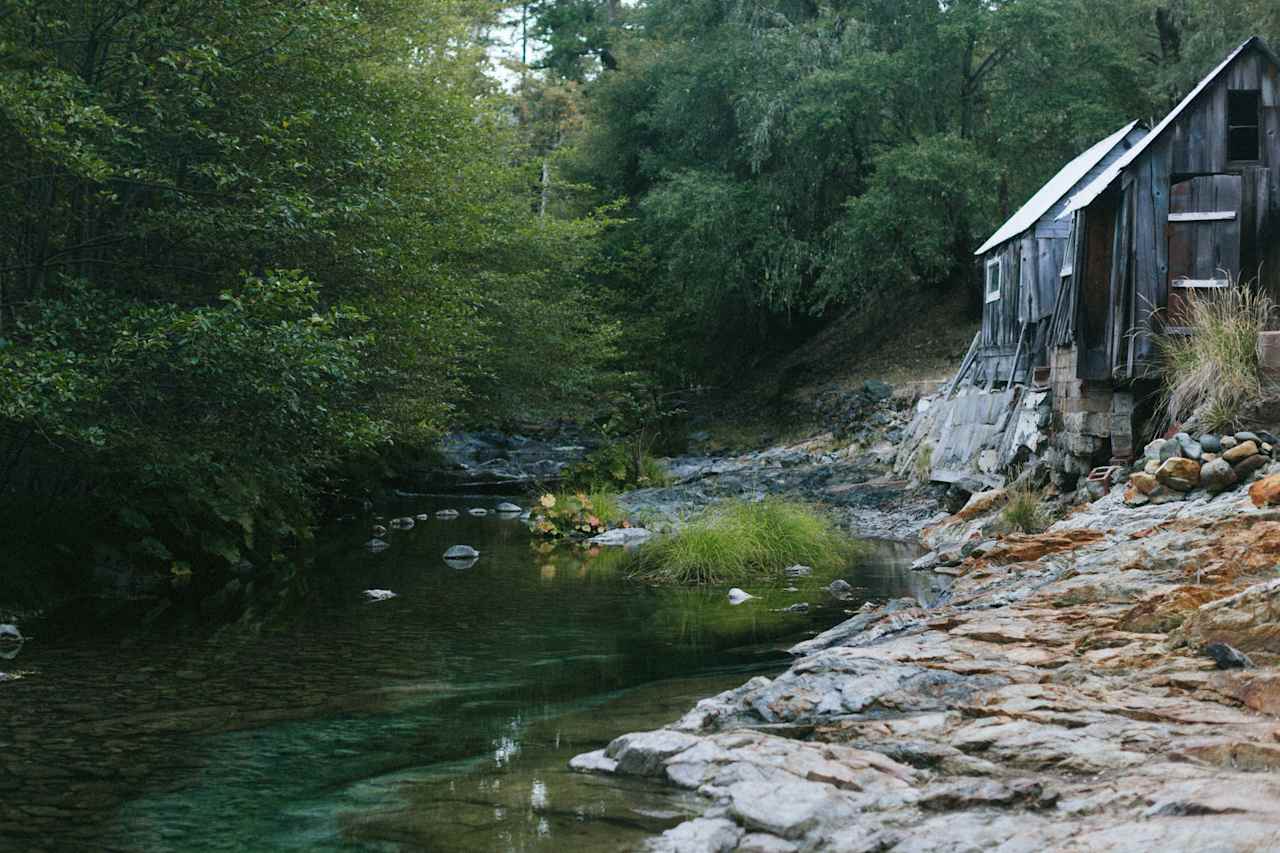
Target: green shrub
x,y
1025,511
739,540
616,467
1213,372
573,514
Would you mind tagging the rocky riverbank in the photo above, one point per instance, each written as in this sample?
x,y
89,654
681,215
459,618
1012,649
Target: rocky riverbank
x,y
1108,685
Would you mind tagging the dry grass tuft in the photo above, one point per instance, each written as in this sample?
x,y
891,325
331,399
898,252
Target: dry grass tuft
x,y
1213,372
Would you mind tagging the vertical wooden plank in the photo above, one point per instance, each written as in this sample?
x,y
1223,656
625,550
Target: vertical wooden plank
x,y
1215,133
1226,236
1203,250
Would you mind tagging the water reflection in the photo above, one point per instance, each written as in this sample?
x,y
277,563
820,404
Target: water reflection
x,y
442,718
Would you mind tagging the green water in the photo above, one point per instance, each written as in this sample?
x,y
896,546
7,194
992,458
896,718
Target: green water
x,y
439,720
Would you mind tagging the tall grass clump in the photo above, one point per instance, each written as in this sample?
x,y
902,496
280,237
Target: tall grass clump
x,y
740,541
1213,371
1025,511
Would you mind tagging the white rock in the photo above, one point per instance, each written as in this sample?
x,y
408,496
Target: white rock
x,y
447,513
622,536
461,552
593,762
508,507
737,596
378,594
477,512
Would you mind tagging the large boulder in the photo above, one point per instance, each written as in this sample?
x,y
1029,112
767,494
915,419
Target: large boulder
x,y
1144,482
1246,467
1266,492
1191,448
1240,452
1217,476
1179,474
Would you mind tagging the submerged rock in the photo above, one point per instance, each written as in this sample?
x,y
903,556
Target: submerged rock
x,y
478,512
737,596
379,594
461,552
376,545
11,641
508,508
447,513
405,523
839,587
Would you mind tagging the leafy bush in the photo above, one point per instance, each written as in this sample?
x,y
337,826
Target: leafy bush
x,y
740,540
187,437
573,514
1213,372
1025,511
616,467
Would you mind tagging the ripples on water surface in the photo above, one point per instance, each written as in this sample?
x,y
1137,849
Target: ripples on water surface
x,y
439,720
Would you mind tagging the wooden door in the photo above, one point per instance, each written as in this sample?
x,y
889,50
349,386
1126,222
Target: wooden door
x,y
1204,239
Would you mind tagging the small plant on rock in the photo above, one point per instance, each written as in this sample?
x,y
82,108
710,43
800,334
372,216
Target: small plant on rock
x,y
575,514
1025,511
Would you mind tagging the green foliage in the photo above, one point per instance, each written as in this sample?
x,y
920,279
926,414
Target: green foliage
x,y
569,515
616,467
1213,371
740,541
785,160
163,163
1025,511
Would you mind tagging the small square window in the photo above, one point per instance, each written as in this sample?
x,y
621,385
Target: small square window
x,y
993,280
1243,126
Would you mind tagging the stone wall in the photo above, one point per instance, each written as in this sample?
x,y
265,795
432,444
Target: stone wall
x,y
1093,421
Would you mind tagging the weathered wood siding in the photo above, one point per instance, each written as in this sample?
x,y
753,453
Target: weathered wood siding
x,y
1137,243
1031,283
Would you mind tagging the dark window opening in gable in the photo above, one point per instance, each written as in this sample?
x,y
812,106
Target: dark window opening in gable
x,y
1243,125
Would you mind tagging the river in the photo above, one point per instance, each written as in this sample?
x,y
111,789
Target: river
x,y
441,719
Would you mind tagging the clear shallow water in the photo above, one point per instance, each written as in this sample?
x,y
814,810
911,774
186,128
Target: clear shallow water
x,y
439,720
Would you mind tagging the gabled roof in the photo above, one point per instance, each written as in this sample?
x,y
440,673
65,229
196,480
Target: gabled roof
x,y
1057,187
1097,187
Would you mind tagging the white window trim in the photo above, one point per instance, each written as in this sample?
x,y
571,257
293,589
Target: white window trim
x,y
992,296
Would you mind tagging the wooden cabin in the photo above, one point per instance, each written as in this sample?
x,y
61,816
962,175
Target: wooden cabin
x,y
1191,207
1021,264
